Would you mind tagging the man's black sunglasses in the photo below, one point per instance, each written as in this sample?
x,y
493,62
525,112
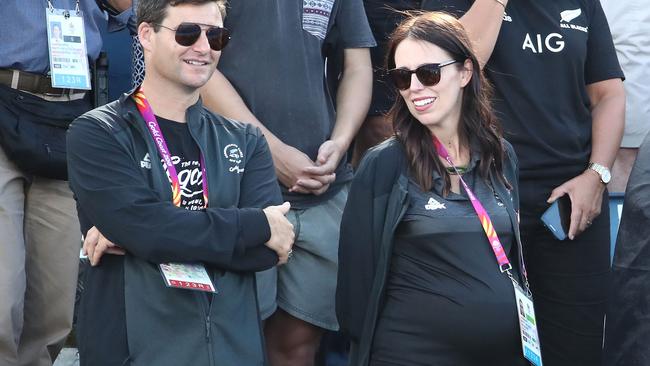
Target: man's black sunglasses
x,y
428,74
188,33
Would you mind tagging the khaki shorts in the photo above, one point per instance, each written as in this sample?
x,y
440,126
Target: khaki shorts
x,y
305,287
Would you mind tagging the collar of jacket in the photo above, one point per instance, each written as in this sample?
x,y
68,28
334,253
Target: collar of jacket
x,y
195,117
131,114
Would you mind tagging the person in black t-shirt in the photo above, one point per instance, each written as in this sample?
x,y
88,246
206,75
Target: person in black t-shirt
x,y
273,77
383,17
560,98
418,281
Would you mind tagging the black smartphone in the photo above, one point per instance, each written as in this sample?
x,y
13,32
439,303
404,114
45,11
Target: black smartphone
x,y
557,218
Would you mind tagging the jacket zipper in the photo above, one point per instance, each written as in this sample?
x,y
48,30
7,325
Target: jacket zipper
x,y
208,325
209,339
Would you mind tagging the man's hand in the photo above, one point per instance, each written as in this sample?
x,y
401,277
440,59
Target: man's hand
x,y
322,174
282,235
290,165
586,194
95,245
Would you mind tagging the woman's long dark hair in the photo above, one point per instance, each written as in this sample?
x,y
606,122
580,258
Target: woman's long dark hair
x,y
477,120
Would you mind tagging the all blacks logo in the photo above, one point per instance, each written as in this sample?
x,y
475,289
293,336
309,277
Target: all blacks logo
x,y
233,153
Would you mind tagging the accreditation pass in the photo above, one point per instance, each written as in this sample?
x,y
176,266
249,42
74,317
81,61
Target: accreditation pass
x,y
190,276
528,327
67,49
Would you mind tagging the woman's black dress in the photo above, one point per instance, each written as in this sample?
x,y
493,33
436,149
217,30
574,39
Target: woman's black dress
x,y
446,302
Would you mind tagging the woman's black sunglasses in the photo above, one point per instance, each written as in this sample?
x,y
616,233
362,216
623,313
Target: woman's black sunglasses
x,y
428,74
188,33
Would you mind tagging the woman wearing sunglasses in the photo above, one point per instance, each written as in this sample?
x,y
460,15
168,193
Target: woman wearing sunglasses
x,y
559,95
419,281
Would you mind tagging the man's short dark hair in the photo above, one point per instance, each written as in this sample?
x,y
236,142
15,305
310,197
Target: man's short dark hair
x,y
154,11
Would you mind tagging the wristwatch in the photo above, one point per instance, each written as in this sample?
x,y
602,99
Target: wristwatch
x,y
603,172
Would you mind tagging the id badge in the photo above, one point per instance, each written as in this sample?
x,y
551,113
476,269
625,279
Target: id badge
x,y
528,327
187,276
66,40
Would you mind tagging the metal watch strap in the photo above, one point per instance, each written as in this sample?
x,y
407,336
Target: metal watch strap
x,y
603,172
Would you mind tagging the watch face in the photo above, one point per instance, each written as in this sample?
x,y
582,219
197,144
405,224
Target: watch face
x,y
606,176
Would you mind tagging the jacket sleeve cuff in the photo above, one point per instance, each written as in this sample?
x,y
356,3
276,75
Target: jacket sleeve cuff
x,y
254,229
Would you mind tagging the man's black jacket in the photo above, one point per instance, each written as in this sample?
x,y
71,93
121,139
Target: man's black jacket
x,y
129,201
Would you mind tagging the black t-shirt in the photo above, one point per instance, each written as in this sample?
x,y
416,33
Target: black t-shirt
x,y
186,158
383,17
546,54
276,63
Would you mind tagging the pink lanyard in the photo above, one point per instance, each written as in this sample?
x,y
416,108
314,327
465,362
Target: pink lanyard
x,y
152,124
484,218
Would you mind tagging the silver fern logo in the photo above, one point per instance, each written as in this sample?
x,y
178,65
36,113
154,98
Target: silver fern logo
x,y
568,15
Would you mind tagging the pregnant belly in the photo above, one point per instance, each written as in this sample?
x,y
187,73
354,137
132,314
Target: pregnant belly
x,y
427,327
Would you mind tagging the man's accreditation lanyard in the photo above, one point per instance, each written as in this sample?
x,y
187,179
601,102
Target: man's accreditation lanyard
x,y
527,321
179,275
152,125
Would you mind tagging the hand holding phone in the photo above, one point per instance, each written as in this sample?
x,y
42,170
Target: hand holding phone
x,y
557,218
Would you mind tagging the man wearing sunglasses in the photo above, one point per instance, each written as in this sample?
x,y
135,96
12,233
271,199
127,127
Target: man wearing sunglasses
x,y
178,192
276,66
39,230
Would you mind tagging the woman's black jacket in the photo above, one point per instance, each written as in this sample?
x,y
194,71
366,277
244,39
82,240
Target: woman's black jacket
x,y
376,203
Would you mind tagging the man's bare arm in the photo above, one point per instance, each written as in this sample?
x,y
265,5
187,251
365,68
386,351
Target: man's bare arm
x,y
352,103
483,22
586,190
220,96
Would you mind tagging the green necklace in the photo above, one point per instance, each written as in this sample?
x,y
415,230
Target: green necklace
x,y
461,170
